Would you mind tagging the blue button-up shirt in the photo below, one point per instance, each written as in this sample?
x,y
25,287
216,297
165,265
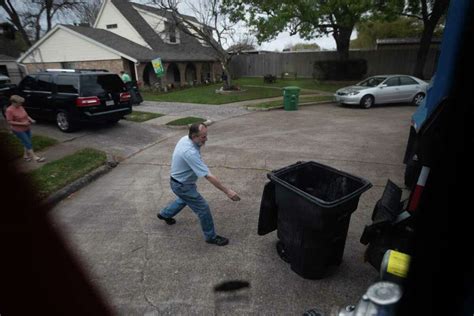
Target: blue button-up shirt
x,y
187,165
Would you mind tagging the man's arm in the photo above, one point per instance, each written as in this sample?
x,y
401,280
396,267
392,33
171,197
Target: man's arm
x,y
230,193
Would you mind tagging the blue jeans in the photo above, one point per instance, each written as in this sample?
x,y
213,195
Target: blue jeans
x,y
25,138
187,194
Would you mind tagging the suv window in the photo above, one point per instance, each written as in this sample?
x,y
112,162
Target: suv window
x,y
67,84
28,83
407,81
44,83
392,82
4,80
94,85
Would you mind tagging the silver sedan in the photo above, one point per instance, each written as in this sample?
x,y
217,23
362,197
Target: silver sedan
x,y
383,89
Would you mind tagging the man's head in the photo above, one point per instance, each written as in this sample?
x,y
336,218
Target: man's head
x,y
198,133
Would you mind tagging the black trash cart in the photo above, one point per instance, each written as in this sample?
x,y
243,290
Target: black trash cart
x,y
310,205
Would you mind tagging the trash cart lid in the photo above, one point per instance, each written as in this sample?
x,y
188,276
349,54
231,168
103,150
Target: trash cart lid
x,y
359,185
292,88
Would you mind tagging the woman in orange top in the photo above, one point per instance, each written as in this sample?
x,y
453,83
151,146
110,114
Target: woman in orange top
x,y
20,125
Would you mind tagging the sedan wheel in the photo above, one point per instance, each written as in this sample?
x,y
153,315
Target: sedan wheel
x,y
418,98
367,101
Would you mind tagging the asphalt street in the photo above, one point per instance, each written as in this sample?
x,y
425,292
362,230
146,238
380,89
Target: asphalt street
x,y
145,267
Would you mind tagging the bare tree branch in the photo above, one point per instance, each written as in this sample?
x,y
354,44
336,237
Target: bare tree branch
x,y
211,26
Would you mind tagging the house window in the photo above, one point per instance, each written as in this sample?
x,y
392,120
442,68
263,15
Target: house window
x,y
171,33
111,26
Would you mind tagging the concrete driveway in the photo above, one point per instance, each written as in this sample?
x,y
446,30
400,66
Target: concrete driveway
x,y
144,266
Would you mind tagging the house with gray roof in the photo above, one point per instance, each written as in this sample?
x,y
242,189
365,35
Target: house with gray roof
x,y
128,36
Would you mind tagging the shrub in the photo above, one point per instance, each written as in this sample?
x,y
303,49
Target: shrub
x,y
269,78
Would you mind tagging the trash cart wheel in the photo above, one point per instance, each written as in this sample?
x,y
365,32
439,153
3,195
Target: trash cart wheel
x,y
282,252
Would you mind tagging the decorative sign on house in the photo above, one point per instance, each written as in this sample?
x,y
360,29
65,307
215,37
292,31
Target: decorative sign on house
x,y
158,67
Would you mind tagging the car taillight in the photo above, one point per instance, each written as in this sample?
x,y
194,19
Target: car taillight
x,y
125,96
87,101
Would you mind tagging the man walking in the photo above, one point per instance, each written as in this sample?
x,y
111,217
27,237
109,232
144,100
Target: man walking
x,y
186,167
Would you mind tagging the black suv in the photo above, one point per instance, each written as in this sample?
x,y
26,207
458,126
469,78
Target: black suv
x,y
72,96
6,90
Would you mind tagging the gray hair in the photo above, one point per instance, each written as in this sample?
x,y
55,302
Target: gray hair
x,y
17,99
194,129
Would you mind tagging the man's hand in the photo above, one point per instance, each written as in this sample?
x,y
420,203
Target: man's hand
x,y
233,195
230,193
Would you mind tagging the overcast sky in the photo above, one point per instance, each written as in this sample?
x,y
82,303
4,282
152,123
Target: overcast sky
x,y
284,39
279,43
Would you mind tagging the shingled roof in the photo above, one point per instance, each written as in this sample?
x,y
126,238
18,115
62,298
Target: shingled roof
x,y
189,48
116,42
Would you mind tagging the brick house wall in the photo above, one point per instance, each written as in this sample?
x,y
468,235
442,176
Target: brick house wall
x,y
114,66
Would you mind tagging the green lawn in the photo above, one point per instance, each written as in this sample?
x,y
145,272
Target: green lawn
x,y
139,116
302,83
56,174
186,121
208,95
13,146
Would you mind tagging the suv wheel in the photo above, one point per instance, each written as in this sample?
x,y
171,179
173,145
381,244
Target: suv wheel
x,y
63,121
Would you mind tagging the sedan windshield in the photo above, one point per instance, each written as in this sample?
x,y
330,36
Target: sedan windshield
x,y
371,82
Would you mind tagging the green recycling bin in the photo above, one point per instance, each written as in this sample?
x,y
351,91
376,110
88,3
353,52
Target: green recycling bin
x,y
290,98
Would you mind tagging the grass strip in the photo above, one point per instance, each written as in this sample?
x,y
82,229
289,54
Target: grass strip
x,y
57,174
302,99
13,146
139,116
186,121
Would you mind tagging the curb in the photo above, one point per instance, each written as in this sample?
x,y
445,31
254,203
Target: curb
x,y
79,184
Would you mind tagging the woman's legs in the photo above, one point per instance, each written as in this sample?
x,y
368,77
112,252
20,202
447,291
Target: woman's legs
x,y
25,139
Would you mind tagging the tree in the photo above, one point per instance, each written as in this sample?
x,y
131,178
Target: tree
x,y
14,18
87,12
30,16
402,27
307,18
212,27
246,43
428,11
302,46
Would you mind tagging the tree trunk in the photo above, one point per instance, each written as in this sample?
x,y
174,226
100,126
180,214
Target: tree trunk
x,y
226,77
49,17
430,23
422,53
342,36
